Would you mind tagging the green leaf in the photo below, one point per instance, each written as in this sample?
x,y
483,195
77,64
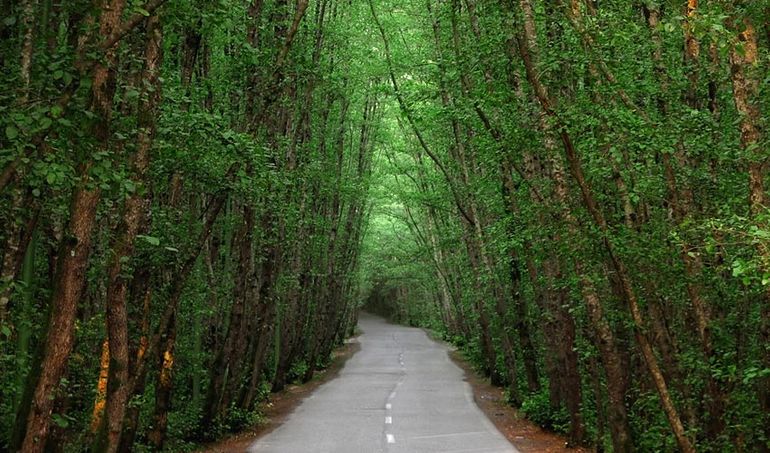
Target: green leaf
x,y
738,268
6,331
150,239
11,132
130,186
132,94
60,421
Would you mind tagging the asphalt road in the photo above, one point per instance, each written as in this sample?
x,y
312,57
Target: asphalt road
x,y
399,393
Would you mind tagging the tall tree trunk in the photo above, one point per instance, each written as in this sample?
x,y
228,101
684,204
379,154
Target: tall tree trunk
x,y
142,291
746,76
72,263
163,388
73,254
682,202
123,246
617,377
216,401
14,248
27,48
521,323
528,49
165,337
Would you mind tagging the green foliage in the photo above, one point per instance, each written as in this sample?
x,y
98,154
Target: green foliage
x,y
481,228
475,356
538,408
297,371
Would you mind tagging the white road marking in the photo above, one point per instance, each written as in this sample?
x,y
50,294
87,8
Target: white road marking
x,y
391,439
388,406
388,420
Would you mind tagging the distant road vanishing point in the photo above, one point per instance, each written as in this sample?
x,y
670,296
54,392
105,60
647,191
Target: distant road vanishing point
x,y
399,393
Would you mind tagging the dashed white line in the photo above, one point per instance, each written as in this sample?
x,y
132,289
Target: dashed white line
x,y
391,439
388,406
388,420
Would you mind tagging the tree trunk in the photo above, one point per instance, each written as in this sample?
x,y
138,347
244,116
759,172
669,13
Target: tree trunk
x,y
746,76
134,213
528,49
72,263
682,202
227,355
617,377
73,254
521,324
142,291
163,388
28,15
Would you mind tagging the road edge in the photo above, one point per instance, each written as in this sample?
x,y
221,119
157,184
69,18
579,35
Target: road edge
x,y
522,433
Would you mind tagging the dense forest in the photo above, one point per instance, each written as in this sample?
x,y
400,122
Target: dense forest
x,y
196,197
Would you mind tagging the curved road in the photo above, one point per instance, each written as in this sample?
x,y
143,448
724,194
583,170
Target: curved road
x,y
399,393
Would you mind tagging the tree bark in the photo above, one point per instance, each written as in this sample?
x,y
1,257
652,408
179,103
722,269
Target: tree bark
x,y
134,212
746,77
73,254
528,46
72,263
163,388
28,12
226,357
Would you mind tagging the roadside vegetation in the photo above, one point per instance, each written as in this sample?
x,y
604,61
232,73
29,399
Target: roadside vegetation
x,y
197,196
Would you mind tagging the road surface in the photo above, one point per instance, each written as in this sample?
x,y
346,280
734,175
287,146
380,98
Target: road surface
x,y
399,393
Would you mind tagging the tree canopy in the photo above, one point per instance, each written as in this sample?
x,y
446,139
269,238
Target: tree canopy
x,y
197,197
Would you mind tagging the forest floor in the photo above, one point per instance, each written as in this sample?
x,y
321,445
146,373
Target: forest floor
x,y
525,435
282,404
